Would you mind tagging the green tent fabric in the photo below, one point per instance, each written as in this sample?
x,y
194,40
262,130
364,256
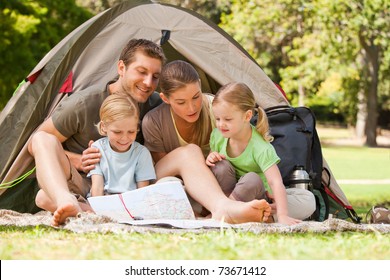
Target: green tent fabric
x,y
21,198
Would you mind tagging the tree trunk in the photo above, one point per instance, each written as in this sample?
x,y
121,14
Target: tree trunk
x,y
372,114
372,53
301,95
361,115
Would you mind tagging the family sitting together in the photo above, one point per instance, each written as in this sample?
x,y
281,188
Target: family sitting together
x,y
102,141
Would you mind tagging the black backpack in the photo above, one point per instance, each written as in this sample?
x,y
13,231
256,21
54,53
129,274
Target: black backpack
x,y
297,144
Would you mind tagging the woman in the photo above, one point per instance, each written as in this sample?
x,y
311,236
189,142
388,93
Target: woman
x,y
177,134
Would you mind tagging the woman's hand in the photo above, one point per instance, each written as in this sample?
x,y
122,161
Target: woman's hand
x,y
213,158
89,158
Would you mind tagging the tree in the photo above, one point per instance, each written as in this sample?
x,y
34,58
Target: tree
x,y
18,27
304,45
210,9
30,29
282,37
359,33
97,6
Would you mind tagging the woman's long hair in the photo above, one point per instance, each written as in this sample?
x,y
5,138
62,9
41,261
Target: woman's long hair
x,y
177,75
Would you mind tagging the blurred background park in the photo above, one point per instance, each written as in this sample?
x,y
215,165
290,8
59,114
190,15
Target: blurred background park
x,y
330,55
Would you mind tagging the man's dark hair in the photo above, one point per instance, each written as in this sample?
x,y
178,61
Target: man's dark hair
x,y
149,48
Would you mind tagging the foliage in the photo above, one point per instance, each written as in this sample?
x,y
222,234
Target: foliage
x,y
304,45
280,35
30,29
207,8
358,35
97,6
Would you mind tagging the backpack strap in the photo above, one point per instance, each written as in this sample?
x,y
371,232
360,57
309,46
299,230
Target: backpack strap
x,y
348,209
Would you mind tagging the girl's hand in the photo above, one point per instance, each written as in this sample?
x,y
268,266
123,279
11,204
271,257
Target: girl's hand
x,y
213,158
283,219
286,220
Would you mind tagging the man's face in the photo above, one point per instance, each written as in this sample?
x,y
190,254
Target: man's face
x,y
140,78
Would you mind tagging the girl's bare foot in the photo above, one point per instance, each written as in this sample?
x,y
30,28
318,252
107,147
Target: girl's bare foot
x,y
65,211
242,212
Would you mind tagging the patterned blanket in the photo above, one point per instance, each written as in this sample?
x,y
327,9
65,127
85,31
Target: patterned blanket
x,y
88,222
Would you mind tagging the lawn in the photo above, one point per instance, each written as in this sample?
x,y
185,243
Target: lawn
x,y
358,162
46,243
39,243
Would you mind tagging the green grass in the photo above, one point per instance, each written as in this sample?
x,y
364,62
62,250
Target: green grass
x,y
40,242
358,162
45,243
364,196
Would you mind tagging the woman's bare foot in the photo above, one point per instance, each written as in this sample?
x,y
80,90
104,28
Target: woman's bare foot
x,y
65,211
236,212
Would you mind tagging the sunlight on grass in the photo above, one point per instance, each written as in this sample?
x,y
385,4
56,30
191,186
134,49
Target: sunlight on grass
x,y
367,195
326,133
348,160
358,162
228,245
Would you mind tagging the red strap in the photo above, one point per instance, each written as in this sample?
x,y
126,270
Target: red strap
x,y
34,76
66,87
332,195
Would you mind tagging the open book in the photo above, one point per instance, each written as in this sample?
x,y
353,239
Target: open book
x,y
164,204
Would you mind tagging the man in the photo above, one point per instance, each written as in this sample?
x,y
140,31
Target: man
x,y
58,145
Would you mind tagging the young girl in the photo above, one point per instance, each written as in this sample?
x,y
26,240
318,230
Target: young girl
x,y
125,165
244,161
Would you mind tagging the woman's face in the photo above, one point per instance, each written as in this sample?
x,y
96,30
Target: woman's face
x,y
186,103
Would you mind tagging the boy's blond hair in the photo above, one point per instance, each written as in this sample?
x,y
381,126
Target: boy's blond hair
x,y
116,107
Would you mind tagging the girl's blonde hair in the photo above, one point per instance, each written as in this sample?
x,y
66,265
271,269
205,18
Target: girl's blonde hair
x,y
177,75
114,108
240,95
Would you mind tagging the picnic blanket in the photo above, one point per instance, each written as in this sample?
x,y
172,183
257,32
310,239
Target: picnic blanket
x,y
88,222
